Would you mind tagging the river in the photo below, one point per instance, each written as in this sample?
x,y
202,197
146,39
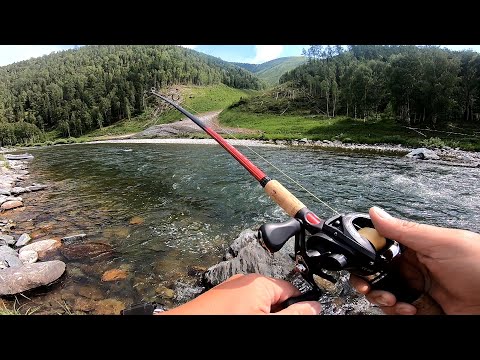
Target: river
x,y
169,208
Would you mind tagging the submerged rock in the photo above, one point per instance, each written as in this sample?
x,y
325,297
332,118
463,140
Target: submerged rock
x,y
26,277
114,274
87,250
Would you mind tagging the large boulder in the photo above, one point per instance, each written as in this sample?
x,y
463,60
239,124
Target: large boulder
x,y
19,279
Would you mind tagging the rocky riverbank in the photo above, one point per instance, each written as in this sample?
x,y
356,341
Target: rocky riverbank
x,y
24,265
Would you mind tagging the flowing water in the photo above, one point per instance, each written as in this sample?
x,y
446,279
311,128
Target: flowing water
x,y
168,210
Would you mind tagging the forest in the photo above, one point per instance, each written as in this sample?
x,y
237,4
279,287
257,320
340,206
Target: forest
x,y
78,90
424,85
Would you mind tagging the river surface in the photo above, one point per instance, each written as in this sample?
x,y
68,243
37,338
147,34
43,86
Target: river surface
x,y
169,209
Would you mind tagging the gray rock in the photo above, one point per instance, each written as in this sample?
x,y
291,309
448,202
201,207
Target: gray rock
x,y
40,246
423,154
28,256
23,240
11,260
27,277
7,239
36,187
246,255
19,190
4,191
18,156
3,198
73,237
7,249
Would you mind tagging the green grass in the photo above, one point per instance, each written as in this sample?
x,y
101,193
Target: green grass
x,y
16,310
271,71
272,74
4,162
197,99
348,130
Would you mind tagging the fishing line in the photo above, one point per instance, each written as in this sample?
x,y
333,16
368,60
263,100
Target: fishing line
x,y
275,167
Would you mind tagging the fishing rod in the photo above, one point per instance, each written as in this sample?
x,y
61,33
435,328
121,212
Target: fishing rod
x,y
342,242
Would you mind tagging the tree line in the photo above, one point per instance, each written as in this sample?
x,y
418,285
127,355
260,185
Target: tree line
x,y
78,90
417,84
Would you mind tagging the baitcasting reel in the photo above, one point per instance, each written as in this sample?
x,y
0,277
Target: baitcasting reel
x,y
345,242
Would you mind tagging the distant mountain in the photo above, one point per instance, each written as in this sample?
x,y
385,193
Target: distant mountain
x,y
271,71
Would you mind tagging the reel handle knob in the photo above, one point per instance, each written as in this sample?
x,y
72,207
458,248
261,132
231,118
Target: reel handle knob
x,y
273,236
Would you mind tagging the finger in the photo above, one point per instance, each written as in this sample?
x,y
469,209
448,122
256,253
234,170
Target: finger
x,y
279,290
233,277
418,237
359,284
302,308
381,298
399,309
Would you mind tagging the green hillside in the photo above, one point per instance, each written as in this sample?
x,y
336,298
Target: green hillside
x,y
271,71
76,91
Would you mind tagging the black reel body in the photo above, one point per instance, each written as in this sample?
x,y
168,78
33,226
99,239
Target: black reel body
x,y
340,246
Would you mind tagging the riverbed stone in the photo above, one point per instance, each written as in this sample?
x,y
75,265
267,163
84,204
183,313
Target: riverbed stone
x,y
19,190
28,256
87,250
10,260
41,247
136,220
26,277
90,292
72,238
36,187
6,240
7,249
23,240
4,191
165,292
114,275
8,205
109,307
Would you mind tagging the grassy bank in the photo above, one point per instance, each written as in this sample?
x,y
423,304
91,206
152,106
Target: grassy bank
x,y
195,99
384,130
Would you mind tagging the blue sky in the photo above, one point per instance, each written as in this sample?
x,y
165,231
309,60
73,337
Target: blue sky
x,y
254,54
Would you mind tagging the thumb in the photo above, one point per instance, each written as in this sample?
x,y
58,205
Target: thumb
x,y
418,237
302,308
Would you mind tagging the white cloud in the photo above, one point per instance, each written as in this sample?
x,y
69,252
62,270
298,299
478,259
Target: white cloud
x,y
189,46
266,53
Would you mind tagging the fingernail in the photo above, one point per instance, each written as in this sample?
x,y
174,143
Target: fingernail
x,y
405,310
382,213
382,301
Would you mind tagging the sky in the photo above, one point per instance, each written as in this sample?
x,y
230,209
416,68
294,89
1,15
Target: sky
x,y
253,54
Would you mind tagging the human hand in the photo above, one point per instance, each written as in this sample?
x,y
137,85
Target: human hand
x,y
250,294
442,262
